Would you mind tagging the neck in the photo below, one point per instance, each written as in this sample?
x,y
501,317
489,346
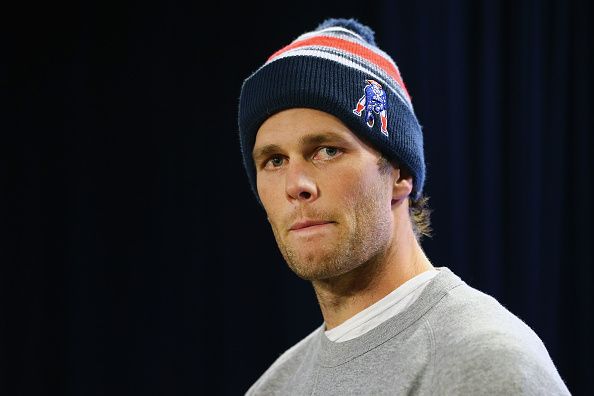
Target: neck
x,y
344,296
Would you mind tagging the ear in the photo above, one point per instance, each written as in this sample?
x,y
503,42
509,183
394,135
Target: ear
x,y
403,183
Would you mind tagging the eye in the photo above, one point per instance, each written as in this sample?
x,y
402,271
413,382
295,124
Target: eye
x,y
274,162
327,153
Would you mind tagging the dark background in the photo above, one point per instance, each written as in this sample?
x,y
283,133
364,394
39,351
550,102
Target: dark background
x,y
135,260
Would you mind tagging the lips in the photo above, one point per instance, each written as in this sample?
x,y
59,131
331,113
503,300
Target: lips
x,y
307,223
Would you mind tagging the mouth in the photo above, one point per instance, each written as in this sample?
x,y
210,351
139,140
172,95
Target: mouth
x,y
309,224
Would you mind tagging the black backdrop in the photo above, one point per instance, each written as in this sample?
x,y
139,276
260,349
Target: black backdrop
x,y
136,261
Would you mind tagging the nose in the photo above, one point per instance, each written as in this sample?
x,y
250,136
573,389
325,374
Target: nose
x,y
300,184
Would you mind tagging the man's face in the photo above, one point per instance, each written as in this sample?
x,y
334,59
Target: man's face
x,y
327,200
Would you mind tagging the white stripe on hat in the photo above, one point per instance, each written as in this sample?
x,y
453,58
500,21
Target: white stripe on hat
x,y
361,41
329,30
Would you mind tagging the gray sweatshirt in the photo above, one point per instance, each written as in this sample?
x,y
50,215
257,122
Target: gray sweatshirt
x,y
453,340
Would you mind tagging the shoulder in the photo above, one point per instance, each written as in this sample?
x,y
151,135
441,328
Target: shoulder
x,y
273,379
480,347
465,311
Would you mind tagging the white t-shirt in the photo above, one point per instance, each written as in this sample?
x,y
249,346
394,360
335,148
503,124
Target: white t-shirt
x,y
386,308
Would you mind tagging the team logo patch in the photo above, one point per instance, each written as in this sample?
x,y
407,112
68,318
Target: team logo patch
x,y
374,101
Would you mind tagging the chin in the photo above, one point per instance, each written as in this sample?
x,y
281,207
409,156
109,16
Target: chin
x,y
318,268
319,258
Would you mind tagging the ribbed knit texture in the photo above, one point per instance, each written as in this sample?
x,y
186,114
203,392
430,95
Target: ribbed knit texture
x,y
328,70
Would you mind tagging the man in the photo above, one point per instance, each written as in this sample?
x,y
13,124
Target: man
x,y
334,153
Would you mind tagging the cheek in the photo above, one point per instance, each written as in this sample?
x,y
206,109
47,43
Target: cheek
x,y
351,185
265,190
366,191
269,194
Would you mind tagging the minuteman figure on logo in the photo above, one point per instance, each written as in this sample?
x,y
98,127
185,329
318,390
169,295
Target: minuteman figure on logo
x,y
374,101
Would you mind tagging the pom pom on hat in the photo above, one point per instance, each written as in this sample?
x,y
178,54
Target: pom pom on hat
x,y
351,24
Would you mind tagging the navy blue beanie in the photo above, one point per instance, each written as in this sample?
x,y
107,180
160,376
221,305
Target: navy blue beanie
x,y
336,68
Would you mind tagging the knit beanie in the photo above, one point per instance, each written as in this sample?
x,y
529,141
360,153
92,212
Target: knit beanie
x,y
336,68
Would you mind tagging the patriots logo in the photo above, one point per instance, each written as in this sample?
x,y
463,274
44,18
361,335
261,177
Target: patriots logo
x,y
374,101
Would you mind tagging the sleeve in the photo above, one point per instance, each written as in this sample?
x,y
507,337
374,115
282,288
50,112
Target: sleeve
x,y
495,364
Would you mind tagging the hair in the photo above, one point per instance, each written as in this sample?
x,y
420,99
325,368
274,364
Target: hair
x,y
418,209
420,216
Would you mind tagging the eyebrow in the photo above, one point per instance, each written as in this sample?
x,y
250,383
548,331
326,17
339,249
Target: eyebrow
x,y
307,140
265,151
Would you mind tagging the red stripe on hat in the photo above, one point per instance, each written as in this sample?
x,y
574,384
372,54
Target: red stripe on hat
x,y
349,46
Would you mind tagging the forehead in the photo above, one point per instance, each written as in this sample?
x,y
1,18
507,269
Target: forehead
x,y
291,126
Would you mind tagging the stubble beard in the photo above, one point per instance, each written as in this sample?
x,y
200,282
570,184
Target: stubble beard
x,y
361,238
